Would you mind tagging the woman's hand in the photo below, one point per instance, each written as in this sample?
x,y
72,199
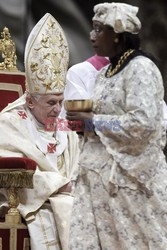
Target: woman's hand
x,y
78,121
79,116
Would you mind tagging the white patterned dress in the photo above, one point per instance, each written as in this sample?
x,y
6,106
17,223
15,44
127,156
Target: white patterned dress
x,y
121,193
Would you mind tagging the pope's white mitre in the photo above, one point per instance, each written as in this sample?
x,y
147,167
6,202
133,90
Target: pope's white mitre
x,y
46,57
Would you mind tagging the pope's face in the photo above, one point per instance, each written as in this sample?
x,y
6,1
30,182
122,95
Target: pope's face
x,y
46,107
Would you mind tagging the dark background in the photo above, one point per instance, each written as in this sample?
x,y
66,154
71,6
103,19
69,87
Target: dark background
x,y
75,17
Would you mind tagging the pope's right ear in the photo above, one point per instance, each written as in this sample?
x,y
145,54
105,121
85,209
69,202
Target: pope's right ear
x,y
30,102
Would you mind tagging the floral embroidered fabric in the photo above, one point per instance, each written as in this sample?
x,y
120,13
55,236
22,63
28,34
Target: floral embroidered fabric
x,y
120,201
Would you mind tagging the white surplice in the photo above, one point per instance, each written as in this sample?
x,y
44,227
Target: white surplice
x,y
22,136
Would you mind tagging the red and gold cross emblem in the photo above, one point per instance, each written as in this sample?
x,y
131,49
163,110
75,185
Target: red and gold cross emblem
x,y
22,114
51,147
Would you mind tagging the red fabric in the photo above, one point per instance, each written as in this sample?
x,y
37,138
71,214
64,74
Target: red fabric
x,y
5,235
21,235
13,78
17,163
7,96
98,61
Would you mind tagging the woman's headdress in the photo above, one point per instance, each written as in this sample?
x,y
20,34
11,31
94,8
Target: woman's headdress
x,y
120,16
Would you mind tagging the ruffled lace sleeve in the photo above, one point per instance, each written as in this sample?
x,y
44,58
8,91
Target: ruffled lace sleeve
x,y
140,118
129,124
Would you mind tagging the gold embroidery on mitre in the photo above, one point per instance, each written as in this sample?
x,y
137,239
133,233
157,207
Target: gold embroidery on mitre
x,y
48,59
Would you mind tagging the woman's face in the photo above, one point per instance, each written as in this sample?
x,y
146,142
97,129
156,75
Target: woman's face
x,y
102,38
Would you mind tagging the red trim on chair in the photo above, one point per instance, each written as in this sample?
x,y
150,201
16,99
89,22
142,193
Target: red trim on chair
x,y
5,235
13,78
7,95
21,235
17,163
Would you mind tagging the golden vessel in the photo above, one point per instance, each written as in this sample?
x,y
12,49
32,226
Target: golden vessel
x,y
78,105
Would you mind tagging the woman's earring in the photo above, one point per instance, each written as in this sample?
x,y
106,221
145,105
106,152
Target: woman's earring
x,y
116,40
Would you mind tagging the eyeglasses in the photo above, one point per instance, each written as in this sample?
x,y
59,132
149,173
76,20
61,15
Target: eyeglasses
x,y
93,35
95,32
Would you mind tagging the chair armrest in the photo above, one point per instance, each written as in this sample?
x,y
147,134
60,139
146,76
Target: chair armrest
x,y
17,163
16,172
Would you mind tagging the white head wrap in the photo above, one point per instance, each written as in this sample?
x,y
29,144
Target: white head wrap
x,y
120,16
46,57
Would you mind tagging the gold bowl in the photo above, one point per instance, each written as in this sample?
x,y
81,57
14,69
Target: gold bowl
x,y
78,105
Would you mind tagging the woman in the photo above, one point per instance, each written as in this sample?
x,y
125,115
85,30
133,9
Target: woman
x,y
121,201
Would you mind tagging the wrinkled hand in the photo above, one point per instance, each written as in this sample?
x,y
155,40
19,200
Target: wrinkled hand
x,y
66,188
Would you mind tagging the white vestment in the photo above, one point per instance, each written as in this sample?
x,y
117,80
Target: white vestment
x,y
22,136
81,79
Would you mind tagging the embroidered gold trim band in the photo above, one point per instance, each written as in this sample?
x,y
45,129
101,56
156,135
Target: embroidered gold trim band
x,y
16,179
